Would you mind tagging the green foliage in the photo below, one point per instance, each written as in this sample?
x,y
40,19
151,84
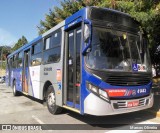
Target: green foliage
x,y
67,8
4,65
4,51
22,41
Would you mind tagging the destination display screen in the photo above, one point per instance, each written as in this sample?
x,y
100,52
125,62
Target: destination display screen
x,y
110,15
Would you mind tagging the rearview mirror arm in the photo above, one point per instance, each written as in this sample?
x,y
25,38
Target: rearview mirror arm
x,y
90,38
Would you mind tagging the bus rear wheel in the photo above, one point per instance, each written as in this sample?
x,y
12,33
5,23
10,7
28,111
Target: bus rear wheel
x,y
15,92
51,101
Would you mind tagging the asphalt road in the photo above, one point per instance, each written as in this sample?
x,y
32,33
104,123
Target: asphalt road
x,y
26,110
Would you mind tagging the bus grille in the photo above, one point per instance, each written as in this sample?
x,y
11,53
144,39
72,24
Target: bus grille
x,y
128,80
123,104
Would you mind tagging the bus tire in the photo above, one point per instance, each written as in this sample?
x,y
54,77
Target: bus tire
x,y
51,101
15,92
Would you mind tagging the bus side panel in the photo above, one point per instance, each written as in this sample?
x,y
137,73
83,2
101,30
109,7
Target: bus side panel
x,y
42,82
18,78
49,73
34,81
7,77
8,73
12,77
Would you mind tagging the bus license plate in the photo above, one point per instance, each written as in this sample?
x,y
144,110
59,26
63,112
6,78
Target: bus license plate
x,y
132,104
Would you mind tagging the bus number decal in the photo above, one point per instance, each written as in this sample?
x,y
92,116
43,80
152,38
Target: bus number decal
x,y
141,91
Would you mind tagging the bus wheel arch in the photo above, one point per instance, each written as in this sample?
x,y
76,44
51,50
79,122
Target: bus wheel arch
x,y
45,87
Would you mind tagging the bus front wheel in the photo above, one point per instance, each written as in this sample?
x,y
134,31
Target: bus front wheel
x,y
51,101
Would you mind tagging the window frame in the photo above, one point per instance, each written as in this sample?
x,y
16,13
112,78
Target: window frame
x,y
51,48
34,46
34,54
49,36
18,66
14,61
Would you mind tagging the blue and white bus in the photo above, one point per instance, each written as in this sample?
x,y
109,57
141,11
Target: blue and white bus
x,y
94,62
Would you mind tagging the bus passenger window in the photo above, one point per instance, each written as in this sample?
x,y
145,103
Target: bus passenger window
x,y
55,39
52,49
19,60
47,43
14,64
52,55
36,58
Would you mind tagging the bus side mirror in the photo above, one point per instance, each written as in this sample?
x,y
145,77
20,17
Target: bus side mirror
x,y
87,37
86,33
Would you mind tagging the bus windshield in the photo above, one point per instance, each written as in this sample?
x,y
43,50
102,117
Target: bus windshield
x,y
117,51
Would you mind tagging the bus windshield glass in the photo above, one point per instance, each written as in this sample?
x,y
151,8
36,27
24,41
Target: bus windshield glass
x,y
117,51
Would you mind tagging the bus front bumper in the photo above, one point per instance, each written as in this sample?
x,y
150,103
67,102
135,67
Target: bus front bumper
x,y
94,105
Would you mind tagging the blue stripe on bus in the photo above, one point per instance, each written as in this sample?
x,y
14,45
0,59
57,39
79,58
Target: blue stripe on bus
x,y
69,103
77,15
104,86
77,106
73,23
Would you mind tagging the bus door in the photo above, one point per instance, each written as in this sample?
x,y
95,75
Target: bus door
x,y
73,74
26,71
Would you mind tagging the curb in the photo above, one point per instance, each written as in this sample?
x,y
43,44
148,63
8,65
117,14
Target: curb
x,y
154,112
158,114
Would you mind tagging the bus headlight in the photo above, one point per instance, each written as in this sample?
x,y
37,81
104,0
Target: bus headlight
x,y
93,88
101,93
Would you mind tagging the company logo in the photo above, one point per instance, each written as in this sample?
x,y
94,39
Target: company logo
x,y
133,92
121,92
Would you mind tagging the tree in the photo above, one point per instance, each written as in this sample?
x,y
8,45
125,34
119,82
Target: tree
x,y
4,51
22,41
58,14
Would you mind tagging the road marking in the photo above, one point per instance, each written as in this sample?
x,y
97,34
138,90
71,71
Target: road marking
x,y
37,119
131,131
40,122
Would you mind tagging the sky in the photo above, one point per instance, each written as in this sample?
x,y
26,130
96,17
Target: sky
x,y
21,17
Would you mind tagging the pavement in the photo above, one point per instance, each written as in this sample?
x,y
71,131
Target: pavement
x,y
156,106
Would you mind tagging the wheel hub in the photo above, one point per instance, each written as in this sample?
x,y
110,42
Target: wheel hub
x,y
14,89
51,99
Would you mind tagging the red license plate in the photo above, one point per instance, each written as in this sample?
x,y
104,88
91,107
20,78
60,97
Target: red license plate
x,y
132,104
